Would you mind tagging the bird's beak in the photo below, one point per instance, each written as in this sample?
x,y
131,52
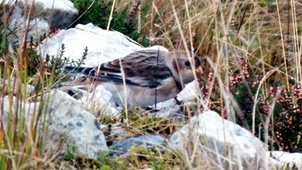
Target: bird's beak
x,y
198,70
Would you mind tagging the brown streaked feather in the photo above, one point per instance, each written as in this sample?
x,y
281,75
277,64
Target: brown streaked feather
x,y
145,71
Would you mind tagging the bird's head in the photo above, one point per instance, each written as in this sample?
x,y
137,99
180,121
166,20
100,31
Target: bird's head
x,y
183,65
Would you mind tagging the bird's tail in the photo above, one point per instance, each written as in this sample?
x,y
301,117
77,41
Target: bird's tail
x,y
81,82
68,70
71,69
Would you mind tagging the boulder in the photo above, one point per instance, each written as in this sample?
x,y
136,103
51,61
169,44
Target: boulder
x,y
287,160
210,138
103,45
63,122
43,16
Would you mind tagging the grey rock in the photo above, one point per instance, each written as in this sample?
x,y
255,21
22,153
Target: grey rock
x,y
210,138
42,16
148,142
63,123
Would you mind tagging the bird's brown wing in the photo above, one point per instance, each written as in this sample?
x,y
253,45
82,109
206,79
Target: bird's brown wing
x,y
142,68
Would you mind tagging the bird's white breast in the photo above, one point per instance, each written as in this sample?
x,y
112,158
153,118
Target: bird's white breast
x,y
141,96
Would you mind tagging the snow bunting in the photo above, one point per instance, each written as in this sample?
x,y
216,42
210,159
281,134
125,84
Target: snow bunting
x,y
142,78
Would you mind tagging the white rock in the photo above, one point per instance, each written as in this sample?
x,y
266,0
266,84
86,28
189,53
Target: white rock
x,y
64,5
211,138
82,128
44,15
155,47
189,93
292,160
99,102
169,109
66,121
103,45
188,96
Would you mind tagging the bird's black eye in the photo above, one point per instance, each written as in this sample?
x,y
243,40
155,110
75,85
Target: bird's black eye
x,y
187,63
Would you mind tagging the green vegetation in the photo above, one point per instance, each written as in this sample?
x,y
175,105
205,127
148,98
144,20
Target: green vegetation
x,y
99,13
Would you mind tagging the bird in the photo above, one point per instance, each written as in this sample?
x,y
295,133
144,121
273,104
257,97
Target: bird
x,y
142,78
